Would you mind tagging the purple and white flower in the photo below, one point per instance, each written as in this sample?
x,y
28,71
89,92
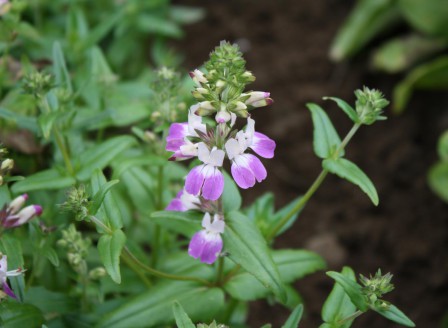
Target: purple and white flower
x,y
177,140
207,179
207,243
258,99
11,216
4,273
246,168
5,5
184,202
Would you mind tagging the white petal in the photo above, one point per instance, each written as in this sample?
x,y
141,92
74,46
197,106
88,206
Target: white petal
x,y
207,221
217,157
203,153
232,148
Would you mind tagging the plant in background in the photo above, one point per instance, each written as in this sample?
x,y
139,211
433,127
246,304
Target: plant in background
x,y
420,53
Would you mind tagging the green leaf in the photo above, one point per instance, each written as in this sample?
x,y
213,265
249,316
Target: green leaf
x,y
432,75
50,253
43,180
426,16
438,180
99,196
442,146
366,20
186,15
60,68
248,248
99,156
351,113
22,121
294,319
140,186
338,305
292,265
108,212
182,319
231,197
49,301
12,248
152,24
15,315
281,214
109,247
351,172
326,140
184,223
154,307
394,314
46,121
352,288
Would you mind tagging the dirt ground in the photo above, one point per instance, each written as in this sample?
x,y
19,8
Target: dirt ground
x,y
286,44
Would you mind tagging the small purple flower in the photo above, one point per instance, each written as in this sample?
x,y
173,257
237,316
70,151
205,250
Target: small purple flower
x,y
184,202
258,98
207,244
207,179
11,217
4,273
177,140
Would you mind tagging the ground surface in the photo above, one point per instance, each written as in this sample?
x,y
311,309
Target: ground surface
x,y
407,234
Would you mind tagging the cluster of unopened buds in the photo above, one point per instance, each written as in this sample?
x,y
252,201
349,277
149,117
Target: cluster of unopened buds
x,y
220,95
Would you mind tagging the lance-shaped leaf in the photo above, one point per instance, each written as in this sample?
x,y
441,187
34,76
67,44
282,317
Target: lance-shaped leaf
x,y
184,223
153,308
248,248
438,180
325,140
338,305
351,172
43,180
60,68
231,197
347,109
20,315
182,319
110,247
351,288
394,314
294,319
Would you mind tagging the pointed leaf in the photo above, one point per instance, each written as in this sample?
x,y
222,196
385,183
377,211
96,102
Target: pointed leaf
x,y
248,248
60,68
184,223
338,305
326,139
231,197
43,180
352,288
294,319
351,113
182,319
394,314
345,169
99,196
13,315
109,247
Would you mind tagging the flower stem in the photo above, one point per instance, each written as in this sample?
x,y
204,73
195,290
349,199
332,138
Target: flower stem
x,y
312,189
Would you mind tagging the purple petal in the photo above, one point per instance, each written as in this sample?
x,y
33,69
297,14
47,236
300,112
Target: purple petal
x,y
206,246
256,167
8,290
174,144
243,177
263,145
195,180
213,185
176,203
177,131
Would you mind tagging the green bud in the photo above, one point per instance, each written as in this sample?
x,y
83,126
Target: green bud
x,y
37,83
97,273
375,287
77,202
369,105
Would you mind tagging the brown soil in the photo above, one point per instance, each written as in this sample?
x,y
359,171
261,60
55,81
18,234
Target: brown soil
x,y
407,234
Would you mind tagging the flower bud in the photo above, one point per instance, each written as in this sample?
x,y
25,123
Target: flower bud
x,y
262,102
7,164
240,106
222,116
97,273
255,96
17,203
28,213
198,77
249,77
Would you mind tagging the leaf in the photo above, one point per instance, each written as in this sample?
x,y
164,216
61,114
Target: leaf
x,y
182,319
351,288
231,197
426,16
294,319
15,315
99,156
184,223
442,146
154,307
186,15
12,248
49,301
282,213
109,247
247,247
345,169
108,212
367,19
394,314
430,75
60,71
338,305
99,196
43,180
351,113
157,25
46,121
50,253
25,122
438,180
292,265
326,140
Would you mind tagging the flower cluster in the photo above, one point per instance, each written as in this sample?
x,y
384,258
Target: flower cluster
x,y
13,215
220,92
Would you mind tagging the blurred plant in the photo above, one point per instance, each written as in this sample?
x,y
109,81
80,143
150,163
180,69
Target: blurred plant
x,y
438,173
420,53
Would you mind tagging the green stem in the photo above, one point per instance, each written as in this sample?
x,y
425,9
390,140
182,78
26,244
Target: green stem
x,y
349,318
157,230
310,192
220,272
233,303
